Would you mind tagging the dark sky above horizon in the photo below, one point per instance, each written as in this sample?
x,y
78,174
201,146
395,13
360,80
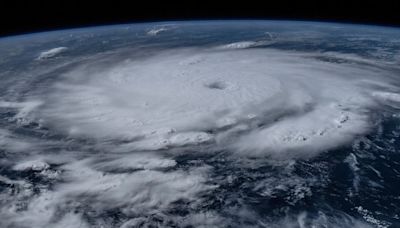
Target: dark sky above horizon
x,y
26,17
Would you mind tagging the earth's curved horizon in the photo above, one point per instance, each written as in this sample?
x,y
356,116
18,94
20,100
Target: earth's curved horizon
x,y
247,123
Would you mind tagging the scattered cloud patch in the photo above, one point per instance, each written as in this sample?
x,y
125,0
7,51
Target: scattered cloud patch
x,y
242,45
51,53
156,31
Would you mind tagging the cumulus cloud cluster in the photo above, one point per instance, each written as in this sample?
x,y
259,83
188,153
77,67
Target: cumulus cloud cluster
x,y
136,185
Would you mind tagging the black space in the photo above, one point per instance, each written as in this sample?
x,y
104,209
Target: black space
x,y
31,16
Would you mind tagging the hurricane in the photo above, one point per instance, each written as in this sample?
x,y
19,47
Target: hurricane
x,y
201,124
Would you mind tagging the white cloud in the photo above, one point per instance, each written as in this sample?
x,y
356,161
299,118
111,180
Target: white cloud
x,y
137,194
146,160
155,31
11,143
24,109
326,127
51,53
36,165
387,96
283,101
242,44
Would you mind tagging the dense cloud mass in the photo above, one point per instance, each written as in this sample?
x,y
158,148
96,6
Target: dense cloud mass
x,y
118,139
257,101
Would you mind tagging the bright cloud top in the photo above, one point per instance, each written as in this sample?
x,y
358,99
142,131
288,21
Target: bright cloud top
x,y
51,53
263,102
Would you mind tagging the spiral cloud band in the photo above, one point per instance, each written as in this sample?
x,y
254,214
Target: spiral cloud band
x,y
260,102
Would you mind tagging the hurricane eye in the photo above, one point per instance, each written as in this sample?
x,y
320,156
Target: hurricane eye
x,y
216,85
